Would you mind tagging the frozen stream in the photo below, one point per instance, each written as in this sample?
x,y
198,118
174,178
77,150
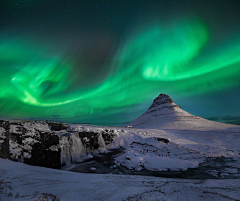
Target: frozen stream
x,y
103,163
139,152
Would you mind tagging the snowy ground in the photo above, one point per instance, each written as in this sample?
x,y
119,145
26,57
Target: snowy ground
x,y
182,150
207,153
23,182
214,153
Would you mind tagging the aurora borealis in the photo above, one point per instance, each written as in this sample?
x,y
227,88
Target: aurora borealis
x,y
103,62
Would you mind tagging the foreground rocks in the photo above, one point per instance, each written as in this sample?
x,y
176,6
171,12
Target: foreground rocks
x,y
90,139
29,142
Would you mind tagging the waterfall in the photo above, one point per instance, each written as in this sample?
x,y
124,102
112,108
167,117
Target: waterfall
x,y
65,150
101,142
77,148
72,149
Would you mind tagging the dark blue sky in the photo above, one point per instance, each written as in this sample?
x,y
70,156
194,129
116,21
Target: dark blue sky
x,y
92,57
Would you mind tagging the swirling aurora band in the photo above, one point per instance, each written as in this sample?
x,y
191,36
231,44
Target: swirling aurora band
x,y
173,58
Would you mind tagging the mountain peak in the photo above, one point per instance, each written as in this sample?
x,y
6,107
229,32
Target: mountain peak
x,y
161,99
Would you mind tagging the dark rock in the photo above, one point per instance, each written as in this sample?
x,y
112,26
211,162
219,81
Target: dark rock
x,y
56,126
128,158
29,142
163,140
4,148
89,140
108,136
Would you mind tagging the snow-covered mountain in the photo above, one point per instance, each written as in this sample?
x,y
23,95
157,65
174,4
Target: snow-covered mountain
x,y
165,114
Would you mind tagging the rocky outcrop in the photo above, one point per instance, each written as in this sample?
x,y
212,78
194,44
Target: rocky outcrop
x,y
56,126
29,142
34,143
75,143
161,102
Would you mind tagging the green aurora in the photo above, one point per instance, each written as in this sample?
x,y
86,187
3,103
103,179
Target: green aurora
x,y
176,58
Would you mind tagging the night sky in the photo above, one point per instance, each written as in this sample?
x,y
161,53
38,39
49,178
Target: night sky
x,y
103,62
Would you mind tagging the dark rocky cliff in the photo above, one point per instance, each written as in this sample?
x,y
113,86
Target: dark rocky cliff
x,y
34,143
29,142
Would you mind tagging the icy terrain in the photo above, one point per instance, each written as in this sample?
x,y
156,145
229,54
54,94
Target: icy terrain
x,y
19,181
191,158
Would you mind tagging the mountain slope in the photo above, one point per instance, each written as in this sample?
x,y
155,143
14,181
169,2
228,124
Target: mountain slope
x,y
165,114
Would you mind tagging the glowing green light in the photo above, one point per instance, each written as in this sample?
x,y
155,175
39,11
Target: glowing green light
x,y
171,58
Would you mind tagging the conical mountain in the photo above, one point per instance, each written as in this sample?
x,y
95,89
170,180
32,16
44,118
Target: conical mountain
x,y
165,114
